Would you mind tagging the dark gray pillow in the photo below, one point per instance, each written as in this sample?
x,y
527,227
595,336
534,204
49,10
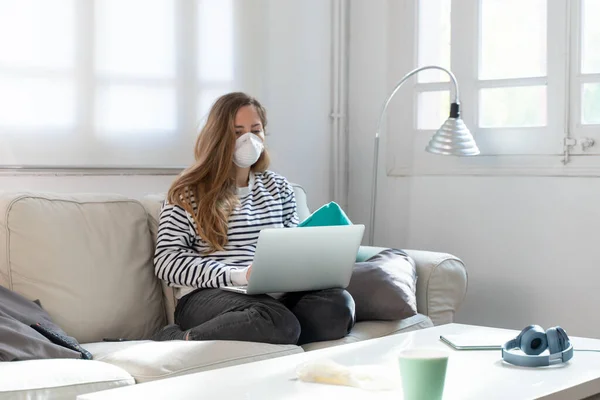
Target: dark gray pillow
x,y
384,287
18,340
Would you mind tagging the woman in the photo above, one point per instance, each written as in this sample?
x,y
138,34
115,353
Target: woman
x,y
207,235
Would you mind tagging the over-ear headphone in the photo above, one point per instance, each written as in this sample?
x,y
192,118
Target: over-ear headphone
x,y
533,341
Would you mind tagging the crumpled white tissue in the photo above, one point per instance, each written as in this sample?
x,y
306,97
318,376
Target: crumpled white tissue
x,y
369,377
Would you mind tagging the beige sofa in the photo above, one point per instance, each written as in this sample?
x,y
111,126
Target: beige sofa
x,y
88,259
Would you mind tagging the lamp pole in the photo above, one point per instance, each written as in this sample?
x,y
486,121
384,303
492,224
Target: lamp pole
x,y
453,138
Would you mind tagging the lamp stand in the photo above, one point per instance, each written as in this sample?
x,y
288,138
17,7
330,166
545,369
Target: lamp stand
x,y
453,138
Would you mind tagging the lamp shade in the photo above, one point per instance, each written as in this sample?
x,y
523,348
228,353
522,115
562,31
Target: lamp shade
x,y
453,138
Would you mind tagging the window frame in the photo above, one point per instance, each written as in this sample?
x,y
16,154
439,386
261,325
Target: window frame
x,y
577,78
466,20
550,150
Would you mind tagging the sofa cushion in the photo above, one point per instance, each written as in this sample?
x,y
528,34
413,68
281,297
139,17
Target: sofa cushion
x,y
87,258
148,360
375,329
153,204
301,202
58,379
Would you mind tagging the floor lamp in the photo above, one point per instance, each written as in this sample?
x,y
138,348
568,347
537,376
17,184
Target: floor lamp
x,y
453,138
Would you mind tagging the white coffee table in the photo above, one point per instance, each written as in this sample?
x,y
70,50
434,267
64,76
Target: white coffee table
x,y
471,374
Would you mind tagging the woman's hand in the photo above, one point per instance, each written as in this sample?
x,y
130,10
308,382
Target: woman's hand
x,y
248,272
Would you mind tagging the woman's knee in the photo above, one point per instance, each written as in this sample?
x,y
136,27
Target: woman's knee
x,y
339,306
278,324
326,315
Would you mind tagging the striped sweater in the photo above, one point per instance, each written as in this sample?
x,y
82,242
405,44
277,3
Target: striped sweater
x,y
267,202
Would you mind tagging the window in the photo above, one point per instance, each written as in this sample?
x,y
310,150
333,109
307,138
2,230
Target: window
x,y
586,75
111,82
528,71
37,64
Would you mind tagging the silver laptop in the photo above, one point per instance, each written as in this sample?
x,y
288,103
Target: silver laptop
x,y
303,259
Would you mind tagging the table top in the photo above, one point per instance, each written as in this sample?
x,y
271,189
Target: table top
x,y
471,374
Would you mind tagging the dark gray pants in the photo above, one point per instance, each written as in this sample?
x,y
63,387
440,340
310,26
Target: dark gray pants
x,y
297,318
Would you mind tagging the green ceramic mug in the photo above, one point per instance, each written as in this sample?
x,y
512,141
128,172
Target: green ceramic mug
x,y
423,373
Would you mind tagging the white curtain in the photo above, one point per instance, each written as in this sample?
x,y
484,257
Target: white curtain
x,y
119,82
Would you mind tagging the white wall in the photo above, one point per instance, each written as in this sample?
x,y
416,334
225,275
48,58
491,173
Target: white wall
x,y
298,94
133,186
368,89
529,243
295,88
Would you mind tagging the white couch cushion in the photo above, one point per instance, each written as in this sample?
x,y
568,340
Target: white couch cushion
x,y
87,258
58,378
153,203
148,360
301,202
375,329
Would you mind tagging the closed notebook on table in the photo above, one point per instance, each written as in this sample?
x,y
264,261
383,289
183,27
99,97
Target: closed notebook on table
x,y
483,340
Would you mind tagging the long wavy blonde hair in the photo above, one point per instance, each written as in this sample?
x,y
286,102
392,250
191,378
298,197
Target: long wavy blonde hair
x,y
210,182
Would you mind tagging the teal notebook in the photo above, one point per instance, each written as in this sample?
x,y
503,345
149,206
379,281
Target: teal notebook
x,y
328,215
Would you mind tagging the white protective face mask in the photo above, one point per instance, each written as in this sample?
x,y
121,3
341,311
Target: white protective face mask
x,y
248,149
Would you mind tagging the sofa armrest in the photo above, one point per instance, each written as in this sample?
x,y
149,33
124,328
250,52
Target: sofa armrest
x,y
441,283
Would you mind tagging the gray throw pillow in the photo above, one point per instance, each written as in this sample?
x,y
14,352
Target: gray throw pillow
x,y
18,340
384,287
